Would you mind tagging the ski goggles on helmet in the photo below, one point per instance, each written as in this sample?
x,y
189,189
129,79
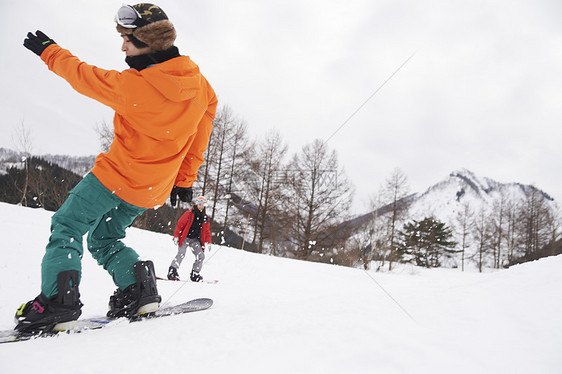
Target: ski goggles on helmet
x,y
129,17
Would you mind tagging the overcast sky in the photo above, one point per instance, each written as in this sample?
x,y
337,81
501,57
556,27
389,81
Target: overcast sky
x,y
483,90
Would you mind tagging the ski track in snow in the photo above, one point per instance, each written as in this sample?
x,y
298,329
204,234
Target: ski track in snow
x,y
275,315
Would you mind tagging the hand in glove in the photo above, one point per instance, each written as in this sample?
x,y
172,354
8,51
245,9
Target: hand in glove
x,y
37,43
185,194
176,241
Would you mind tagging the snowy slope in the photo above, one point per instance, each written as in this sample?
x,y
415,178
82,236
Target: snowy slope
x,y
274,315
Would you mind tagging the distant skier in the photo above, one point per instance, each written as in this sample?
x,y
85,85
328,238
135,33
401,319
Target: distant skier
x,y
164,109
193,230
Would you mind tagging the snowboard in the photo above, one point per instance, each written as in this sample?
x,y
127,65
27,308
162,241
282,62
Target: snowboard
x,y
11,336
208,281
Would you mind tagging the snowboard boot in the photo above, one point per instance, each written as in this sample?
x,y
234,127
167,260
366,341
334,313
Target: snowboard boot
x,y
57,313
173,274
195,277
140,299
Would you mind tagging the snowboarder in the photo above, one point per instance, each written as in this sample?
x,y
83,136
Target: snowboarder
x,y
193,230
164,109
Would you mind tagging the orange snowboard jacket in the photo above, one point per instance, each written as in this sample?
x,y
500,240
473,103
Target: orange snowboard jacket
x,y
162,124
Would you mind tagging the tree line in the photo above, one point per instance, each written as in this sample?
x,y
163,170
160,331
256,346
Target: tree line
x,y
261,198
265,200
37,183
286,205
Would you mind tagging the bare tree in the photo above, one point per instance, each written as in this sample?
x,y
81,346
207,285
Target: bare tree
x,y
534,217
239,149
267,166
553,225
498,218
482,236
512,236
21,138
216,163
204,171
320,196
105,135
395,191
463,220
376,234
223,123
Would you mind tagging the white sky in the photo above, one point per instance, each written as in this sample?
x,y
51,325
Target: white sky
x,y
483,90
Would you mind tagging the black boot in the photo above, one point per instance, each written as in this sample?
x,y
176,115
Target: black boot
x,y
195,277
57,313
173,274
140,298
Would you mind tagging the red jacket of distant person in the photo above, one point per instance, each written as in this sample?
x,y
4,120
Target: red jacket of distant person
x,y
184,223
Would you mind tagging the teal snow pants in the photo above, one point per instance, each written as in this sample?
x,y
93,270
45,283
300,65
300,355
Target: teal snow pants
x,y
90,208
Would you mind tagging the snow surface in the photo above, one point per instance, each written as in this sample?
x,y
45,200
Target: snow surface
x,y
275,315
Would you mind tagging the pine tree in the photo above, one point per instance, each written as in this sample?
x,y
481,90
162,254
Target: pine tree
x,y
426,242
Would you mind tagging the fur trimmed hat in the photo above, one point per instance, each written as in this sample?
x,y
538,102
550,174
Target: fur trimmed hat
x,y
152,28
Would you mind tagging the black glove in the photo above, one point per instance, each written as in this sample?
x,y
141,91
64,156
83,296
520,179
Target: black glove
x,y
184,193
37,44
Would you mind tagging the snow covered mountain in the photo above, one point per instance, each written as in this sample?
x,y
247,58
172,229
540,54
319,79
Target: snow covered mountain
x,y
444,199
471,205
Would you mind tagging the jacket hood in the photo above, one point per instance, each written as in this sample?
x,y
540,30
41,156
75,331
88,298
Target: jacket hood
x,y
176,79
